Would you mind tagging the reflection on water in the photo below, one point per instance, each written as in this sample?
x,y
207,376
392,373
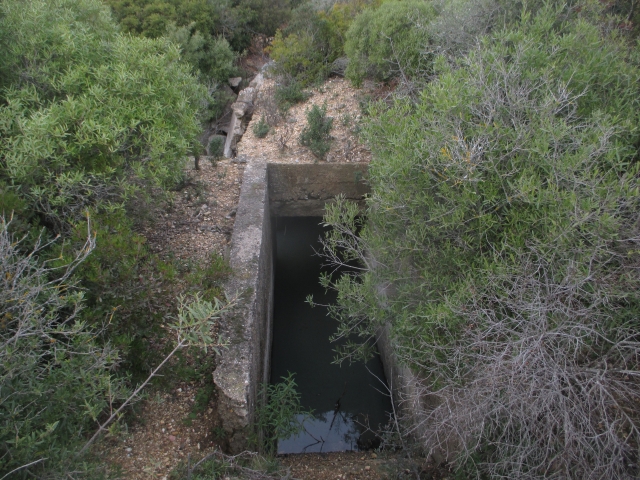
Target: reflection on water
x,y
329,432
301,345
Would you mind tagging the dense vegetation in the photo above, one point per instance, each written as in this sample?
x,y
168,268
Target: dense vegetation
x,y
500,249
237,21
93,124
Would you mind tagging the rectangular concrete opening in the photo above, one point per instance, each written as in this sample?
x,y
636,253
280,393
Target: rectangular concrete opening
x,y
347,400
271,193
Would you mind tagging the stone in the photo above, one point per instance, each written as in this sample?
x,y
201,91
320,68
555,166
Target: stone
x,y
241,112
339,66
235,82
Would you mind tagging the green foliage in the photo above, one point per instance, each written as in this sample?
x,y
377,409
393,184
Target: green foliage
x,y
132,291
338,20
389,41
235,20
208,277
316,135
55,379
94,114
261,128
92,122
125,287
216,147
288,94
211,56
501,238
313,40
298,56
259,16
277,418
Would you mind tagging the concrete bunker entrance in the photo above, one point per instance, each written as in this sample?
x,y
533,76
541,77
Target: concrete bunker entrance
x,y
347,400
275,196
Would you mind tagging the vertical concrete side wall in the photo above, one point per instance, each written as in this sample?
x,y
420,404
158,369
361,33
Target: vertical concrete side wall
x,y
303,190
245,362
400,379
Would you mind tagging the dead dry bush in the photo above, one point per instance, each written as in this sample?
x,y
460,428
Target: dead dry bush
x,y
284,135
268,106
551,385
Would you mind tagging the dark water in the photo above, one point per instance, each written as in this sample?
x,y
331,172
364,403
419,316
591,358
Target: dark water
x,y
301,345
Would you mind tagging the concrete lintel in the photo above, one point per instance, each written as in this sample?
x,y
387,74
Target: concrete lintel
x,y
304,189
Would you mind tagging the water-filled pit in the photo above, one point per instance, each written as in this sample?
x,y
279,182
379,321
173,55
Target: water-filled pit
x,y
345,399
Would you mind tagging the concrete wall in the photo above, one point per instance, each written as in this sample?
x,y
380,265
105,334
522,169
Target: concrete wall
x,y
267,189
245,363
302,190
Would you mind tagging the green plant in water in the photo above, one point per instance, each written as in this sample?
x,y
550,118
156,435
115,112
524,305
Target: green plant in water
x,y
279,417
316,134
261,129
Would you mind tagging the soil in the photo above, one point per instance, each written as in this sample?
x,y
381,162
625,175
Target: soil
x,y
164,433
361,465
281,144
197,223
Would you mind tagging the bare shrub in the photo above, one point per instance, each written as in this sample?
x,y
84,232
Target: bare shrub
x,y
551,383
268,106
284,135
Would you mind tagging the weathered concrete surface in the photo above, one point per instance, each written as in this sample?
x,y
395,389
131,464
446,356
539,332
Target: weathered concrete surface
x,y
241,112
303,190
247,330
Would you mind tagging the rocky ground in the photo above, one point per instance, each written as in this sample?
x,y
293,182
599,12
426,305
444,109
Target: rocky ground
x,y
361,465
199,221
281,144
163,432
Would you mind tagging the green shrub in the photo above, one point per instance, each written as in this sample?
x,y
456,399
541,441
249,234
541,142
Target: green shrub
x,y
316,135
313,40
261,128
501,246
288,94
389,41
101,114
211,57
125,284
216,146
237,21
297,55
277,418
55,377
